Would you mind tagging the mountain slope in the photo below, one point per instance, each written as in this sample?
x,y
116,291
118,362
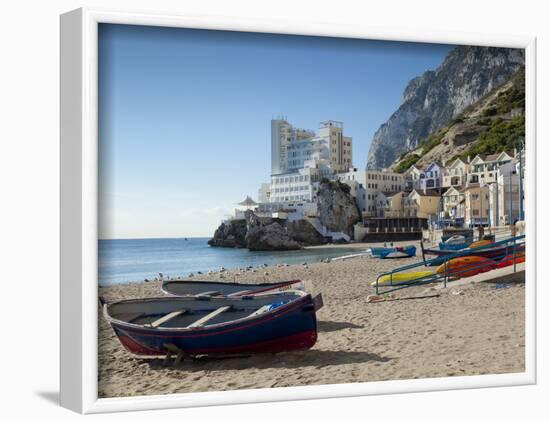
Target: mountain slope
x,y
430,101
492,124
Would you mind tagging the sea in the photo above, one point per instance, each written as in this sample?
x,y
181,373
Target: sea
x,y
125,261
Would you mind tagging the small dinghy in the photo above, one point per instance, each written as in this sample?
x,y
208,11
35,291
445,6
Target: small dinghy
x,y
226,289
393,252
205,326
456,242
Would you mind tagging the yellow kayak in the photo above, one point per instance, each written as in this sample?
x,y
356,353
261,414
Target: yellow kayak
x,y
402,278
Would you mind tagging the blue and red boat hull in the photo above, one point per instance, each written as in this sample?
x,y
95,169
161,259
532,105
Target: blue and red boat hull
x,y
287,328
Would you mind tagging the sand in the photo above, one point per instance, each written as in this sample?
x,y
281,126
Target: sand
x,y
468,330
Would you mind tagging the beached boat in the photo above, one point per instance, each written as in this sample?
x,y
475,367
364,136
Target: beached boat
x,y
392,252
456,242
228,289
203,326
404,278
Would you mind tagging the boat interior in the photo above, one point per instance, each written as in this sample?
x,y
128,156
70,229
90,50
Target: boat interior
x,y
210,288
188,313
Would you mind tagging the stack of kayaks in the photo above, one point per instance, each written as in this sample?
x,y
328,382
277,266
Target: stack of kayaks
x,y
457,267
465,266
213,318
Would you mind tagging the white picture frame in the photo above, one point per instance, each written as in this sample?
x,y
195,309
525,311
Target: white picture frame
x,y
79,228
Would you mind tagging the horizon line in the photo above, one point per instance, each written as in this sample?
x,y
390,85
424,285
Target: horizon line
x,y
152,238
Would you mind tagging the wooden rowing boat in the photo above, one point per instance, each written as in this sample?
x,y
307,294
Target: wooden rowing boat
x,y
203,325
185,288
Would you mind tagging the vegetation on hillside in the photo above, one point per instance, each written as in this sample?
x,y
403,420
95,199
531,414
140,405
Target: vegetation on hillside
x,y
432,141
501,136
502,124
409,161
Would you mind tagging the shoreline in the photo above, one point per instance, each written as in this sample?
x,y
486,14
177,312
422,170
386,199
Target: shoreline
x,y
293,256
364,245
465,330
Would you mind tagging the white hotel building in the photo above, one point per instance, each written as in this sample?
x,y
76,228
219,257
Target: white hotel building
x,y
301,158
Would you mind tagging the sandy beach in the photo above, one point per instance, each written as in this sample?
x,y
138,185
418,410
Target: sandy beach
x,y
467,330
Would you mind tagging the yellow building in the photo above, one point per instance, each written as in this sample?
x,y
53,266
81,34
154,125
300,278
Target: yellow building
x,y
421,204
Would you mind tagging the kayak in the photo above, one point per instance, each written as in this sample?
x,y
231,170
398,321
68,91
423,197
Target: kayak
x,y
462,267
403,278
480,243
509,261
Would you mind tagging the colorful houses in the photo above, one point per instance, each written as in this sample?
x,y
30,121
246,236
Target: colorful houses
x,y
480,190
483,169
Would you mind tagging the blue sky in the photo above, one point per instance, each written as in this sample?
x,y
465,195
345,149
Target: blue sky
x,y
184,115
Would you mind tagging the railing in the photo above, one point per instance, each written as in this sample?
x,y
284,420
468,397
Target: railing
x,y
506,252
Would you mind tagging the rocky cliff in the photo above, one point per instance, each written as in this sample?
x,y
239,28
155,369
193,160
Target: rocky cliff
x,y
337,212
256,233
493,124
268,234
230,234
337,209
433,99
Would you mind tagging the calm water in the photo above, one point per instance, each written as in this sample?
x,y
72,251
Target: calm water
x,y
122,261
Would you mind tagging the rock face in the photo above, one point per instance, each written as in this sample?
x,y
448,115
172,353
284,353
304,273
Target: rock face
x,y
305,233
491,125
267,234
337,209
430,101
230,234
337,212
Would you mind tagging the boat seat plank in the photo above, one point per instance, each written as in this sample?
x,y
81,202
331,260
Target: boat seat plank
x,y
239,292
209,316
208,293
130,317
166,318
261,310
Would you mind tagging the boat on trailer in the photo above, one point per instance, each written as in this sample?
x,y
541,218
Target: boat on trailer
x,y
185,288
191,326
